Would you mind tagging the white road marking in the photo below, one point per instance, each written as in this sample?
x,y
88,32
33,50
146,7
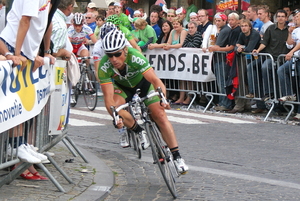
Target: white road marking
x,y
76,122
198,115
184,120
245,177
231,174
91,114
108,117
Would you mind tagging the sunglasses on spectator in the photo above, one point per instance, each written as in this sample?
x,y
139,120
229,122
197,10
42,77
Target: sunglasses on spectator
x,y
117,54
88,18
170,15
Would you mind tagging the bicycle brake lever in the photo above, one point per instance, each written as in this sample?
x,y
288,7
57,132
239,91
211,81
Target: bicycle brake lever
x,y
162,96
115,115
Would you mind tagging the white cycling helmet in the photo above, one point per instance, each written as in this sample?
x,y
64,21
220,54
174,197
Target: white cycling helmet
x,y
113,41
78,18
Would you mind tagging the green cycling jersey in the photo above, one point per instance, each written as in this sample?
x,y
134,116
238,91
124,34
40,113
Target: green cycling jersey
x,y
136,66
125,22
127,33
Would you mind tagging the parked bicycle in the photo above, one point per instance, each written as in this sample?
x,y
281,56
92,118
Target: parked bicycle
x,y
87,85
161,153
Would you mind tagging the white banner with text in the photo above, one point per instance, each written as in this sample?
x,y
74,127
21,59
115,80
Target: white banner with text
x,y
190,64
59,100
23,94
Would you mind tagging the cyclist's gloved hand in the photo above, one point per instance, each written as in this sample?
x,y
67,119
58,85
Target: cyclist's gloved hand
x,y
120,123
165,105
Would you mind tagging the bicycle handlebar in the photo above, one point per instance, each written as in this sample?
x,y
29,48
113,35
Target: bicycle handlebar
x,y
115,111
84,58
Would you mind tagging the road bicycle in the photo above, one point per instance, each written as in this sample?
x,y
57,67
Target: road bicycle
x,y
87,85
161,153
133,138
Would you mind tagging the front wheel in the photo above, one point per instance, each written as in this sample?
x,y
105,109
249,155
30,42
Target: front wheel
x,y
162,157
135,142
90,90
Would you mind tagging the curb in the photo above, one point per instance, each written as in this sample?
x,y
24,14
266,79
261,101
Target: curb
x,y
103,179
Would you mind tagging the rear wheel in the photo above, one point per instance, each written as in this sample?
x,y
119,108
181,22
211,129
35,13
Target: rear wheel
x,y
89,89
162,157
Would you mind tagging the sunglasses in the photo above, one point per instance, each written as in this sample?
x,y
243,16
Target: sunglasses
x,y
88,18
78,25
118,54
295,12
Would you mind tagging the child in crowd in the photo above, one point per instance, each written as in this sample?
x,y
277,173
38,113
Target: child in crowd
x,y
100,20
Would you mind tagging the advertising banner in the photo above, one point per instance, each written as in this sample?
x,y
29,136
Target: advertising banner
x,y
23,94
59,100
182,64
222,5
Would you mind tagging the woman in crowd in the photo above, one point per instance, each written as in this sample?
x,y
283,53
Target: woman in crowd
x,y
178,35
176,40
167,27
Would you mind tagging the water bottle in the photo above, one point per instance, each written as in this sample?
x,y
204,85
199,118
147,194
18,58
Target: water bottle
x,y
123,137
122,131
137,108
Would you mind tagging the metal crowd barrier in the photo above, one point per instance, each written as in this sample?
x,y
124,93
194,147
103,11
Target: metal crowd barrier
x,y
257,76
35,132
288,79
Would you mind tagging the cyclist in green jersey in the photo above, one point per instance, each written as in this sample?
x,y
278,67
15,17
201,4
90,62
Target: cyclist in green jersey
x,y
123,17
116,21
130,70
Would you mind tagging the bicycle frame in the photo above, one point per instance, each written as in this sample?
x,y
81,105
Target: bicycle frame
x,y
83,70
87,84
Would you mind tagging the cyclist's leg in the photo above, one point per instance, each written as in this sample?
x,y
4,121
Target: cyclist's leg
x,y
160,117
84,52
120,98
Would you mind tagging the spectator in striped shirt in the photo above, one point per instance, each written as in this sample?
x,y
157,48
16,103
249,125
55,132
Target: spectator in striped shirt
x,y
59,35
194,38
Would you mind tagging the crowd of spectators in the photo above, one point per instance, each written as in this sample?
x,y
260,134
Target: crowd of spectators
x,y
220,34
253,31
168,28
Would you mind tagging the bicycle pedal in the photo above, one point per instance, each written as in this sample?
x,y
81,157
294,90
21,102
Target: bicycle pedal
x,y
168,159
